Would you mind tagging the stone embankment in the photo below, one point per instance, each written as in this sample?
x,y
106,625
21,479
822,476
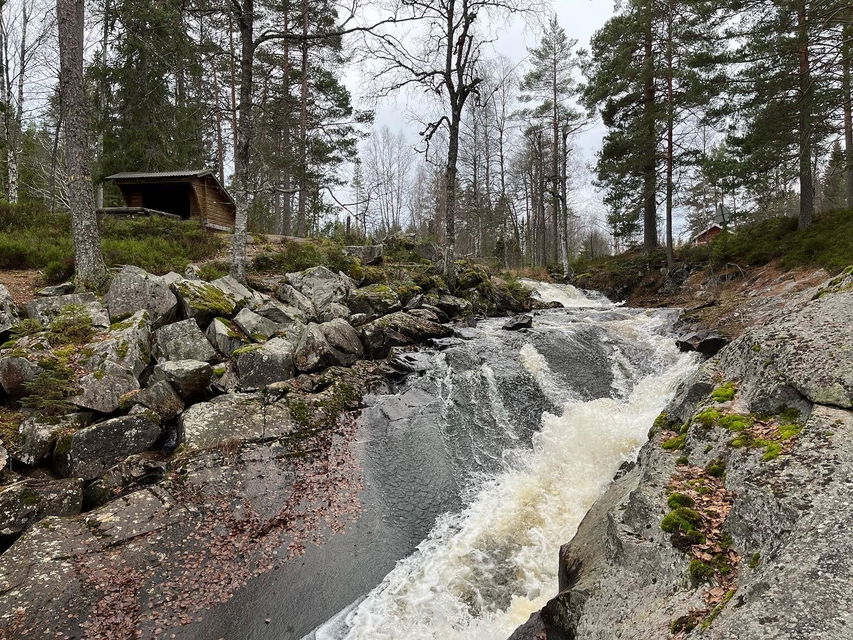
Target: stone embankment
x,y
163,444
734,521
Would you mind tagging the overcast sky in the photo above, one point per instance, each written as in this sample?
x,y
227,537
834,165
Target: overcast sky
x,y
580,18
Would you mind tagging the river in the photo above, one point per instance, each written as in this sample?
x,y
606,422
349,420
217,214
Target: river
x,y
488,457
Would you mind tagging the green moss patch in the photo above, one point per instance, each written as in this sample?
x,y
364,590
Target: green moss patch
x,y
674,443
725,392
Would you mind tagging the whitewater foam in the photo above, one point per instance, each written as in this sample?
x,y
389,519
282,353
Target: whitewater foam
x,y
481,572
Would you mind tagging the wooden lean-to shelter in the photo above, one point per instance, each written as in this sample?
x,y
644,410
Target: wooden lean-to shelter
x,y
189,195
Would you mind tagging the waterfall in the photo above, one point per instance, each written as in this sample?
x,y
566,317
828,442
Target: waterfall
x,y
535,424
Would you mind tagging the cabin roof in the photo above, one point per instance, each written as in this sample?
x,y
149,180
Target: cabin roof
x,y
704,231
132,177
154,175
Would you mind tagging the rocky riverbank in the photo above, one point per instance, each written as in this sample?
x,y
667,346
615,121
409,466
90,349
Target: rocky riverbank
x,y
168,442
732,523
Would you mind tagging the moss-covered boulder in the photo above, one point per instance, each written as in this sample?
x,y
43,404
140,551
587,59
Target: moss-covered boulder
x,y
399,329
378,299
203,301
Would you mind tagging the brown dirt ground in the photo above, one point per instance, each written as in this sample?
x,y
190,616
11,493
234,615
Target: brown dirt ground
x,y
22,284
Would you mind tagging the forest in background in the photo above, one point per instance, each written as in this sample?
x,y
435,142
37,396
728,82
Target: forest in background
x,y
741,103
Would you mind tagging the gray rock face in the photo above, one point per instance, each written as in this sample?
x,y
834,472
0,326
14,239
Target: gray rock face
x,y
182,341
453,306
238,416
377,299
15,373
25,503
9,315
46,309
265,364
103,389
292,297
133,289
332,343
89,452
128,344
706,343
233,288
336,311
786,509
321,286
399,329
429,251
162,398
341,336
279,312
38,436
518,322
257,327
808,350
188,377
224,336
203,301
368,254
56,290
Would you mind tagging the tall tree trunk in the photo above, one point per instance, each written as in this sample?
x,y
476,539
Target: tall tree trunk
x,y
17,124
847,49
450,172
232,68
302,212
286,134
650,215
91,272
805,121
245,22
555,161
564,197
670,147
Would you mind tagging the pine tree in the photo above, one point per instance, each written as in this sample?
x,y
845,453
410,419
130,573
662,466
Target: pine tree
x,y
155,117
552,86
786,98
622,85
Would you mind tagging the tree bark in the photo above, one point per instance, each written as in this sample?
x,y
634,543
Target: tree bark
x,y
846,46
302,207
805,121
670,147
91,272
450,173
650,216
17,125
245,22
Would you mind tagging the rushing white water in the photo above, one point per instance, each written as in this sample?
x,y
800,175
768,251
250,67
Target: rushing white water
x,y
481,572
565,294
